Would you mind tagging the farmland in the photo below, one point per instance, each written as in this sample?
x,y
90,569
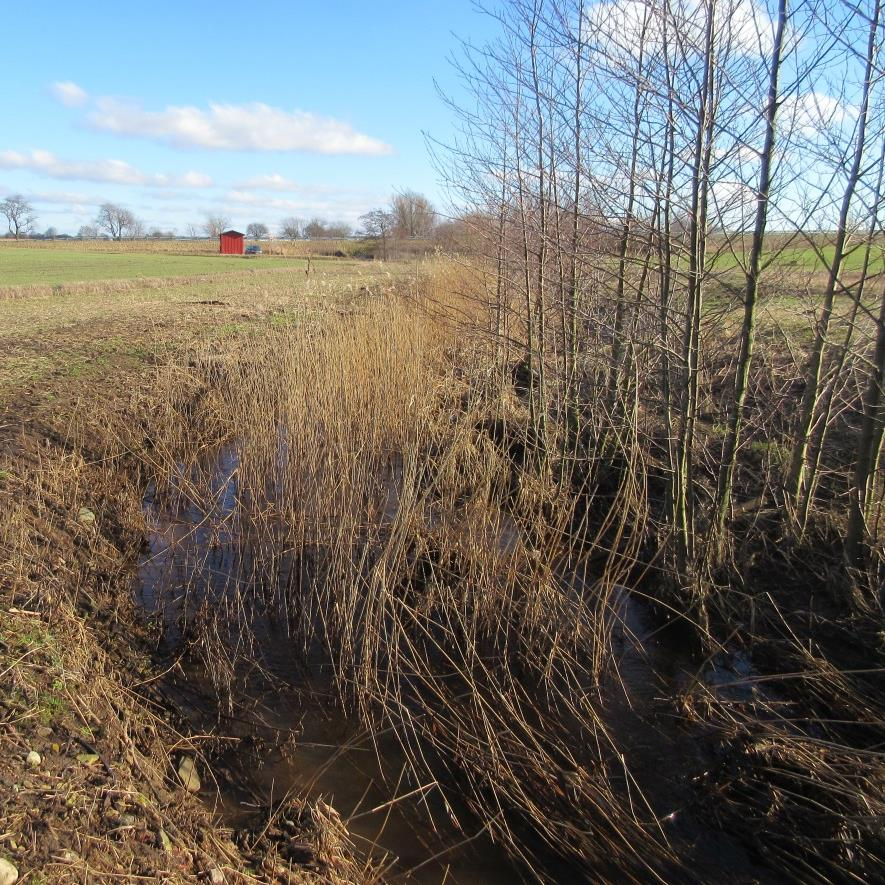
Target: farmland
x,y
534,532
24,266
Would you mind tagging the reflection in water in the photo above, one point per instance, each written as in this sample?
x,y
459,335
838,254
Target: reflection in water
x,y
209,571
202,568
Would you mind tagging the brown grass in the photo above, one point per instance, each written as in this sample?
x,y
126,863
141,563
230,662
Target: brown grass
x,y
388,510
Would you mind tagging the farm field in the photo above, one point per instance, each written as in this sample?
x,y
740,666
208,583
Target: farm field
x,y
797,256
89,329
22,266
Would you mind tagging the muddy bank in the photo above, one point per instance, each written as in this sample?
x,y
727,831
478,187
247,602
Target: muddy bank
x,y
89,748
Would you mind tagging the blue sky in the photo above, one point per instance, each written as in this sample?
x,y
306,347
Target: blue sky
x,y
176,110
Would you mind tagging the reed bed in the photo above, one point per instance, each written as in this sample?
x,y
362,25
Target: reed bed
x,y
431,572
372,483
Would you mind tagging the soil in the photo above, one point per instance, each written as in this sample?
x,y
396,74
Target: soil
x,y
77,680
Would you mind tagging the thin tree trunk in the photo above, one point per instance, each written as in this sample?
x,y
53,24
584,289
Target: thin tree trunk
x,y
751,292
862,492
798,479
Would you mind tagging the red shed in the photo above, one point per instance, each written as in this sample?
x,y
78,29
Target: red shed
x,y
231,242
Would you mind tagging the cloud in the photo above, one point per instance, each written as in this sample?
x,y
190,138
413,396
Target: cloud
x,y
105,171
620,27
249,127
69,94
344,209
814,112
274,182
62,198
281,184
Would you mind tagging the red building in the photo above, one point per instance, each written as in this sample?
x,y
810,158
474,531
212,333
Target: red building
x,y
231,242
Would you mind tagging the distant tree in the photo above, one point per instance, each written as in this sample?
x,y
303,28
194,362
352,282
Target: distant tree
x,y
118,222
291,228
50,233
379,224
193,231
257,231
414,214
338,230
88,232
19,215
155,234
215,225
315,228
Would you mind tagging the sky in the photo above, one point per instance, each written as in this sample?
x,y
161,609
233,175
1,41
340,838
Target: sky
x,y
180,110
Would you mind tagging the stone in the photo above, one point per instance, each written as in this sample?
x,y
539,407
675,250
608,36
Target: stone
x,y
85,516
68,856
88,758
187,771
34,759
216,877
8,873
165,841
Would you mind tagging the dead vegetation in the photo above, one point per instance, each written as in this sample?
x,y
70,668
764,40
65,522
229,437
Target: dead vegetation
x,y
381,494
369,478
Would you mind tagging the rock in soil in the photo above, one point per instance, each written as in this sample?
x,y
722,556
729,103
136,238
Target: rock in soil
x,y
34,759
8,873
187,771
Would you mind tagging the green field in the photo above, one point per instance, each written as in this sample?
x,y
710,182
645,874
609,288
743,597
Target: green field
x,y
22,267
800,258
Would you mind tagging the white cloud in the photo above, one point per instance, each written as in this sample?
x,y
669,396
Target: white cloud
x,y
620,27
249,127
814,112
343,209
274,182
70,94
106,171
281,184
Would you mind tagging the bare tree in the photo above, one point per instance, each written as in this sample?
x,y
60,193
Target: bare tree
x,y
379,225
257,231
117,221
88,232
317,228
20,215
291,228
414,214
215,225
811,424
751,286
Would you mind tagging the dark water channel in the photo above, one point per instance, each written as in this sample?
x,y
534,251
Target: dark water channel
x,y
300,743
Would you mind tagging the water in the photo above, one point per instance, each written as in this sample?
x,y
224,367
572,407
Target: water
x,y
309,747
199,555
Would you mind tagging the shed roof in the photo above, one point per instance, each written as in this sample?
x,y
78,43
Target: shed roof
x,y
231,233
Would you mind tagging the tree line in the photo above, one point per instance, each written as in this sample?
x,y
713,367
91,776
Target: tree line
x,y
634,170
409,215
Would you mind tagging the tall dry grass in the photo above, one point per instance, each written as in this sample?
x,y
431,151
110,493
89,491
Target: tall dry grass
x,y
371,479
382,512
